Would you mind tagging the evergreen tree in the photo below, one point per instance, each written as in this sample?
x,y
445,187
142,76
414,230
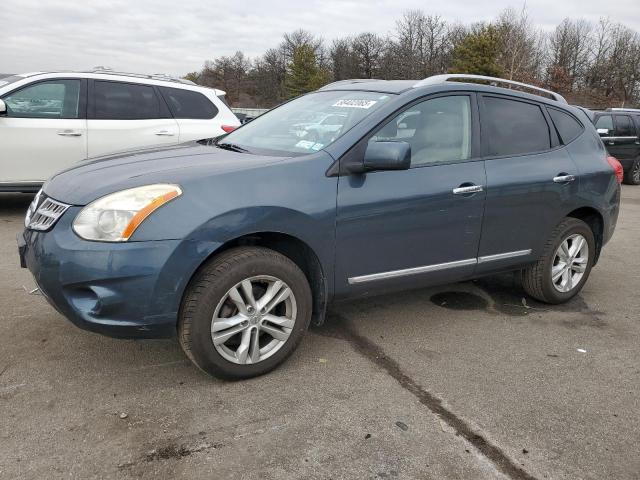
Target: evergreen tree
x,y
477,53
303,73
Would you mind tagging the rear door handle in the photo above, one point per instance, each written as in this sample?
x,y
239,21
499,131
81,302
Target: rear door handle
x,y
467,189
564,178
611,142
165,133
69,133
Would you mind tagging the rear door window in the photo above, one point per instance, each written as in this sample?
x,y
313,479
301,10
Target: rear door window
x,y
125,101
624,126
567,126
188,104
51,99
513,127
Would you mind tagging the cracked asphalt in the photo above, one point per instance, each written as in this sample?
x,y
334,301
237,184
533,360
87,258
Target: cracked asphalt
x,y
464,381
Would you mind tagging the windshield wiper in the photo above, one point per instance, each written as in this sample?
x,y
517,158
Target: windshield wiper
x,y
232,147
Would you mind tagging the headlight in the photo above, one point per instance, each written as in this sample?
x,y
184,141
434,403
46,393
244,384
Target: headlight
x,y
115,217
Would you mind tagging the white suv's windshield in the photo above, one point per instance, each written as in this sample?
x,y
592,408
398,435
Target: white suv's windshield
x,y
306,124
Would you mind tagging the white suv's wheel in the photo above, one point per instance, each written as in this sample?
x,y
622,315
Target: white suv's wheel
x,y
564,265
244,313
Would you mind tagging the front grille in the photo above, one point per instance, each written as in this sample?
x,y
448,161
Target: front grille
x,y
44,212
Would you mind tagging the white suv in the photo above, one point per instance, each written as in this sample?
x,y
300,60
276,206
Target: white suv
x,y
48,121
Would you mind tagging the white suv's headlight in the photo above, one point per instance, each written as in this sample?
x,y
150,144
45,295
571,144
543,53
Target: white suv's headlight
x,y
115,217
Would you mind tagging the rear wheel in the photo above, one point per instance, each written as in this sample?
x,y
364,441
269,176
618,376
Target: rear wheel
x,y
565,264
632,175
244,313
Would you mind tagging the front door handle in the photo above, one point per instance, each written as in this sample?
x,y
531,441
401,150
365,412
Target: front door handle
x,y
611,142
165,133
564,178
69,133
467,189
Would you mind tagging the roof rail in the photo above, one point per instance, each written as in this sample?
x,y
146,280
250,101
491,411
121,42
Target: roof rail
x,y
438,79
348,81
153,76
622,109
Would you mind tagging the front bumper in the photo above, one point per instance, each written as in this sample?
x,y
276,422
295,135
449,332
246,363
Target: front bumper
x,y
129,290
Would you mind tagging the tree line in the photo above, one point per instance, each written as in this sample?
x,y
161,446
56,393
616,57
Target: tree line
x,y
594,65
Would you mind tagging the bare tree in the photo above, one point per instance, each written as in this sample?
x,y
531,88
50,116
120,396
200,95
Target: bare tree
x,y
368,49
520,53
569,48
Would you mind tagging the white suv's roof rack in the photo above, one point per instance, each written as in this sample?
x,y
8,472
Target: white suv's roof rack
x,y
153,76
622,109
494,81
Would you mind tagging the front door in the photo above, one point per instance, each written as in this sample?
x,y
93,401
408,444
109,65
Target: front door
x,y
44,131
400,229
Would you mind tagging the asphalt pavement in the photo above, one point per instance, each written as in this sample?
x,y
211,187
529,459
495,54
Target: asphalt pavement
x,y
465,381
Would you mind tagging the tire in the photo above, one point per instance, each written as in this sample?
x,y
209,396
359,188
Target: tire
x,y
537,279
632,175
210,293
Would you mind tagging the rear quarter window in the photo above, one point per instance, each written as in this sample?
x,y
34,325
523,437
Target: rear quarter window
x,y
514,127
187,104
605,121
567,126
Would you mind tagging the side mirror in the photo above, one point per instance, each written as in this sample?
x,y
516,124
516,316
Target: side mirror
x,y
387,156
3,108
603,132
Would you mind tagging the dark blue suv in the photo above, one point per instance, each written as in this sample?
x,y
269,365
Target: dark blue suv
x,y
360,188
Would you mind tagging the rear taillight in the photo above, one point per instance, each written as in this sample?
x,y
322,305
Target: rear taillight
x,y
617,167
228,128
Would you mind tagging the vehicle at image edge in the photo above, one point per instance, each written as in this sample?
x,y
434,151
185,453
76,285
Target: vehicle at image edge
x,y
250,239
619,129
49,121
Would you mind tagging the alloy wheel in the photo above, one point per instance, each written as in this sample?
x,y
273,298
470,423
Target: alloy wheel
x,y
570,263
253,320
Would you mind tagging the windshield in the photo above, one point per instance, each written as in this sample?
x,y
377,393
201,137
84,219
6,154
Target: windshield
x,y
306,124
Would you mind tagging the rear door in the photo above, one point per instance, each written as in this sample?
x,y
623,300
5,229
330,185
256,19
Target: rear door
x,y
606,126
127,116
402,229
45,130
625,141
531,181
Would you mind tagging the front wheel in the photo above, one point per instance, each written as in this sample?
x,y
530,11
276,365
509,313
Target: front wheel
x,y
565,264
632,175
244,313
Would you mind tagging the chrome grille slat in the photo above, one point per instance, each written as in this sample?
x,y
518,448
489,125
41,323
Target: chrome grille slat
x,y
44,216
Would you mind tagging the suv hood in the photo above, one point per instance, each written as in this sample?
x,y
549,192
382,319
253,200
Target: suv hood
x,y
180,164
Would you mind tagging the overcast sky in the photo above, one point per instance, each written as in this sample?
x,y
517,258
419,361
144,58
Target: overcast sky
x,y
176,37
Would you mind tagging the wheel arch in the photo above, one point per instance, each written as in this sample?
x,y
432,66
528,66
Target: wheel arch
x,y
293,248
595,220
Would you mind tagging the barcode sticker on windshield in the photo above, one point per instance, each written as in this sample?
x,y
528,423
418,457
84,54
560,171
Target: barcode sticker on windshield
x,y
355,103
